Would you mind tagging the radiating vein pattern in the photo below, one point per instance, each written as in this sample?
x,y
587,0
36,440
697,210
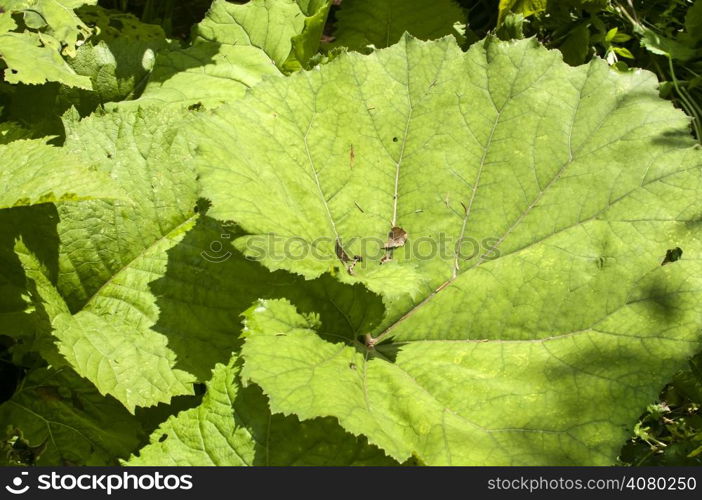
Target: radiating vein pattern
x,y
539,200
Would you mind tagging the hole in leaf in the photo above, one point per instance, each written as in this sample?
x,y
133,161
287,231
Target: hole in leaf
x,y
396,238
394,139
672,255
163,438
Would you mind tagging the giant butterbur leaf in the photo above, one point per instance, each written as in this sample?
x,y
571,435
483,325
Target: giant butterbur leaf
x,y
269,25
143,310
117,59
57,17
234,48
100,268
29,61
233,426
529,202
60,419
115,62
151,302
33,56
306,44
34,172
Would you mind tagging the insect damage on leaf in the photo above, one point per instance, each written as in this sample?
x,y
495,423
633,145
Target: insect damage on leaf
x,y
672,255
341,253
396,238
344,257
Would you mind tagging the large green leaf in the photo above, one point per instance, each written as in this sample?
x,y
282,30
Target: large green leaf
x,y
381,157
118,59
269,25
55,16
103,266
34,55
63,420
30,60
233,426
153,302
306,44
31,302
172,312
143,153
539,202
11,131
234,48
363,23
23,315
34,173
208,74
85,258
